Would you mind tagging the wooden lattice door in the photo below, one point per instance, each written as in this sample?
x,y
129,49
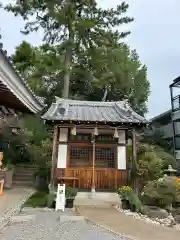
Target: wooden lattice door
x,y
80,165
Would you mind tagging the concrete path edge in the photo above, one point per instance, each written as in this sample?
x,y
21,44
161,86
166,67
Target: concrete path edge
x,y
104,227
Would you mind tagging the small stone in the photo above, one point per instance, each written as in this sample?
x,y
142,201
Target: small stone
x,y
177,226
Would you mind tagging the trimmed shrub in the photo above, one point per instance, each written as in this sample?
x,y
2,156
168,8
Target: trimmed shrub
x,y
160,192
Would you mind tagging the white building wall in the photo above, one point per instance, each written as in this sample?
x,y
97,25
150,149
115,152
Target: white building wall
x,y
62,148
121,157
167,130
121,151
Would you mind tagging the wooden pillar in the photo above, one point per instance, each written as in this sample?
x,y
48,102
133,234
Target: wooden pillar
x,y
93,165
54,155
1,158
134,162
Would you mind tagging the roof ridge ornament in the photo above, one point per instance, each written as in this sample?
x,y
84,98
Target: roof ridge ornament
x,y
126,103
63,107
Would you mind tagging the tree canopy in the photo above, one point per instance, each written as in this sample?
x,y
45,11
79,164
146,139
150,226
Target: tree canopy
x,y
83,56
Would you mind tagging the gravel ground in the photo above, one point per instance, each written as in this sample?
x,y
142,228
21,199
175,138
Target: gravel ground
x,y
47,226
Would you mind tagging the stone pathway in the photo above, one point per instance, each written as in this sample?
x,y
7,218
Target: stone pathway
x,y
11,201
56,226
127,225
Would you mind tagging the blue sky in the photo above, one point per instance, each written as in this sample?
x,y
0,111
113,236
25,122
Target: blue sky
x,y
154,34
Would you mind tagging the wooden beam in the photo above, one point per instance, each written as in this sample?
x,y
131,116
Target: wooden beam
x,y
54,155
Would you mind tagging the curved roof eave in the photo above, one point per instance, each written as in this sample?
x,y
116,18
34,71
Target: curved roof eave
x,y
17,84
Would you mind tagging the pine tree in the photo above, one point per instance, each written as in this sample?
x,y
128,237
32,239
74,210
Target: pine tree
x,y
75,25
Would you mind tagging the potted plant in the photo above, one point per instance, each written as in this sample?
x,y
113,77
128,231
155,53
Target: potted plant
x,y
70,194
124,193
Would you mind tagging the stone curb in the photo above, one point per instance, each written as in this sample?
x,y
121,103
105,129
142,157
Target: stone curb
x,y
35,210
21,218
14,210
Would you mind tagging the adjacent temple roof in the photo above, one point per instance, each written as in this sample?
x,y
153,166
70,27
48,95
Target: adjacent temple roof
x,y
14,90
88,111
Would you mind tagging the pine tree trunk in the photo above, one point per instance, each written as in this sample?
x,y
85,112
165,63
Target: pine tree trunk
x,y
68,53
68,56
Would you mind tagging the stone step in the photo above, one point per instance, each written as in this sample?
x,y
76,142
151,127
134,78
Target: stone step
x,y
24,173
25,169
98,199
91,203
23,178
23,183
26,165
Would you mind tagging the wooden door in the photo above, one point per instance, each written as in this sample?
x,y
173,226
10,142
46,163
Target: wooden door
x,y
80,165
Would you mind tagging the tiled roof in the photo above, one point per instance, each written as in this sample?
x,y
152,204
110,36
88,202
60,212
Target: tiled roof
x,y
73,110
20,78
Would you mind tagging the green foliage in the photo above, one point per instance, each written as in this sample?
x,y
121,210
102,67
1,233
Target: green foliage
x,y
152,160
126,193
120,69
81,47
70,25
167,158
149,165
31,144
43,172
50,198
39,142
13,145
160,192
38,199
88,82
135,201
70,192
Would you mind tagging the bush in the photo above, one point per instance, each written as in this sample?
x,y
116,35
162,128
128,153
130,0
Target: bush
x,y
149,165
160,192
38,199
50,200
126,193
42,176
167,158
70,193
177,184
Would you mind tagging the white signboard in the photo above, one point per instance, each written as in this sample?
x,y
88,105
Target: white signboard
x,y
60,198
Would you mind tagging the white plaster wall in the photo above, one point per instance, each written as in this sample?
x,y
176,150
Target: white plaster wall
x,y
121,158
122,136
62,156
62,149
63,136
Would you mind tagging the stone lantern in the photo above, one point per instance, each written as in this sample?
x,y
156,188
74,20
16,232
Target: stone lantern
x,y
170,171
